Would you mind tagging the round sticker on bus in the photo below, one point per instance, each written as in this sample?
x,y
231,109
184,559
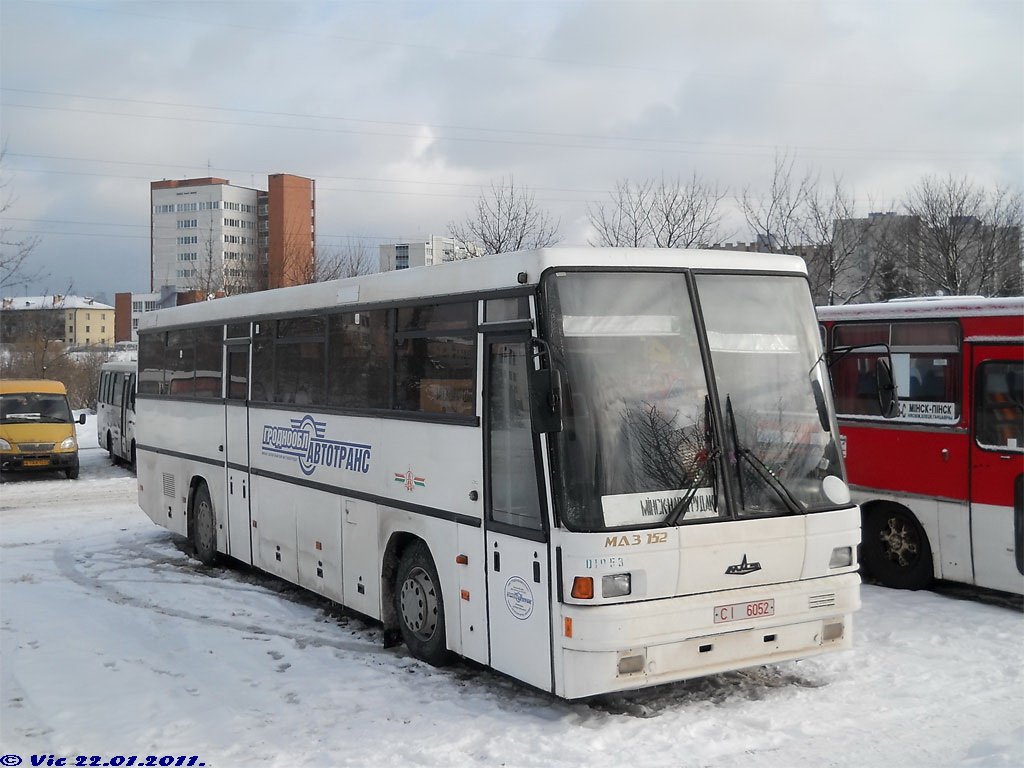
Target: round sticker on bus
x,y
519,598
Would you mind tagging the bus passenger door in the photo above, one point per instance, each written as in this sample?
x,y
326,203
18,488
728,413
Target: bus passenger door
x,y
127,418
997,467
518,577
236,452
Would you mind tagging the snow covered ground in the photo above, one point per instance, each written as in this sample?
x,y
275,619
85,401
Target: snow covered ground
x,y
113,642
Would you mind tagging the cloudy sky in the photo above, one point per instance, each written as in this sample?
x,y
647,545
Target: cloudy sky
x,y
404,111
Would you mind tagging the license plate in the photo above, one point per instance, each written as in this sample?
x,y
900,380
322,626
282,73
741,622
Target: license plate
x,y
35,462
755,609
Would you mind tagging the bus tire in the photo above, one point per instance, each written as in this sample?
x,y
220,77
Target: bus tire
x,y
110,450
132,466
420,607
895,550
204,526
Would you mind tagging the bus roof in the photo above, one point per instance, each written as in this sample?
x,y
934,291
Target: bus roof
x,y
468,276
120,365
926,308
23,386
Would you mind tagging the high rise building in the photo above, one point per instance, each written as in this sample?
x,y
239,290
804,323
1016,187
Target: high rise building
x,y
209,236
423,253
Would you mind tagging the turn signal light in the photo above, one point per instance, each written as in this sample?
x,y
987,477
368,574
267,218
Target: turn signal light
x,y
583,588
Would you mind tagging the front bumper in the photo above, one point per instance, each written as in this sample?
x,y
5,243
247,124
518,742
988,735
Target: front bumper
x,y
29,462
676,638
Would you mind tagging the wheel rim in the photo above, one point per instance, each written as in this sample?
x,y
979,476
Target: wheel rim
x,y
419,603
205,536
900,542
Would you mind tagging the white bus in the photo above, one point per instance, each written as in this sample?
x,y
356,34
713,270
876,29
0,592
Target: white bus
x,y
591,469
115,411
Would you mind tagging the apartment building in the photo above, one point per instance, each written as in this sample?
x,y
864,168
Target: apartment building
x,y
210,236
423,253
76,321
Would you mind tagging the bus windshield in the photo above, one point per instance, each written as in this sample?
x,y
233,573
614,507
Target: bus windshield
x,y
643,441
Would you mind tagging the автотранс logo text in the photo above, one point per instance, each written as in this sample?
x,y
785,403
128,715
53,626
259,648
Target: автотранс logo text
x,y
304,439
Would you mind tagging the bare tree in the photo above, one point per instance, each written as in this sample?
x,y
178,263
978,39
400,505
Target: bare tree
x,y
349,260
838,266
663,214
968,239
299,262
626,220
14,252
778,219
206,273
506,218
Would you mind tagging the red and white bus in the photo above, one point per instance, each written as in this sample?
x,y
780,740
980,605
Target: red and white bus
x,y
941,484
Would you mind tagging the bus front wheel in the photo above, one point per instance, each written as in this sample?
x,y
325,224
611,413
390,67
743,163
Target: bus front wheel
x,y
895,549
204,526
420,607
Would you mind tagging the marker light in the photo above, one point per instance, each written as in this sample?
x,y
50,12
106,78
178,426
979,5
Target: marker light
x,y
583,588
841,557
616,585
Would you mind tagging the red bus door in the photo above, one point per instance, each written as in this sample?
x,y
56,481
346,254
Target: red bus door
x,y
997,466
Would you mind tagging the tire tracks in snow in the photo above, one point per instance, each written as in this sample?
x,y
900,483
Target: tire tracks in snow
x,y
69,566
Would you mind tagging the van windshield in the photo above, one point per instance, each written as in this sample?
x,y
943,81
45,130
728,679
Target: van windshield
x,y
39,407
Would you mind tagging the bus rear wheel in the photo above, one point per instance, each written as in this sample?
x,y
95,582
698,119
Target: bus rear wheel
x,y
895,549
204,526
420,607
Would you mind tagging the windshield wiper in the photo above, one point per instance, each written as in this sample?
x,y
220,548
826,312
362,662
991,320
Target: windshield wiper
x,y
711,454
759,466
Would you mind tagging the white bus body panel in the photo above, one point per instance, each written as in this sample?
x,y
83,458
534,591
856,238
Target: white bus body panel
x,y
679,640
995,564
970,544
783,560
191,438
326,516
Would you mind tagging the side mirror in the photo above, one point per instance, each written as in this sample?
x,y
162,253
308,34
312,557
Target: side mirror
x,y
81,418
819,404
888,403
546,400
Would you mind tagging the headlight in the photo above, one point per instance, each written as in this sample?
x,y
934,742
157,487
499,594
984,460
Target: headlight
x,y
616,585
68,444
4,445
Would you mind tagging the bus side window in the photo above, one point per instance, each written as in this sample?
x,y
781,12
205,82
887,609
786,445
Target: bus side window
x,y
359,352
435,358
262,360
114,395
299,358
1000,404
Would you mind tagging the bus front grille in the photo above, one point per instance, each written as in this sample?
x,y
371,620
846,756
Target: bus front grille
x,y
821,601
